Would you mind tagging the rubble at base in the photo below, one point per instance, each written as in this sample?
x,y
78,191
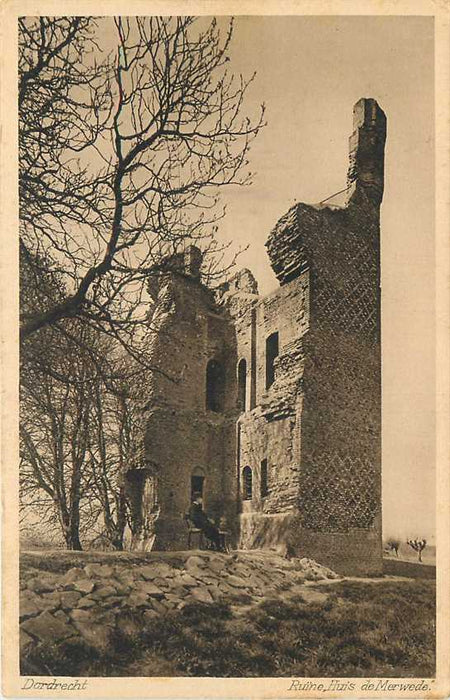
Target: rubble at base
x,y
89,600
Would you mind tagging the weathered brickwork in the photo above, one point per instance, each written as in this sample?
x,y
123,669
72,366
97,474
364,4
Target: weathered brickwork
x,y
274,404
340,483
181,437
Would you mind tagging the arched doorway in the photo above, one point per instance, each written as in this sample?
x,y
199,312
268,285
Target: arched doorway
x,y
198,483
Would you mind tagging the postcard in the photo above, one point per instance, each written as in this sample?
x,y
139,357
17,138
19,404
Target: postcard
x,y
225,349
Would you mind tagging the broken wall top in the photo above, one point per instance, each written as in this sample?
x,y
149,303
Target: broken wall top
x,y
286,244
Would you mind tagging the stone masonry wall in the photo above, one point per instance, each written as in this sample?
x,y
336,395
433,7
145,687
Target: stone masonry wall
x,y
182,437
341,423
271,430
318,425
340,468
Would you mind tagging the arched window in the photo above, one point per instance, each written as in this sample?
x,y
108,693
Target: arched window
x,y
271,355
215,386
247,484
242,383
264,483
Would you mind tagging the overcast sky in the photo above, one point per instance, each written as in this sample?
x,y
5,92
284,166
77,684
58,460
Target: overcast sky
x,y
310,72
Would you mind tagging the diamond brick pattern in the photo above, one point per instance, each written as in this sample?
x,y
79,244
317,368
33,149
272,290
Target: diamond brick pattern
x,y
338,492
349,299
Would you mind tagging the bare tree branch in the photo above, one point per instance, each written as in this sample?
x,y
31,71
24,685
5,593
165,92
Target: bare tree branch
x,y
158,131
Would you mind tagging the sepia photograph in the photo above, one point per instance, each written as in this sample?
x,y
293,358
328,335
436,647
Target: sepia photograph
x,y
226,446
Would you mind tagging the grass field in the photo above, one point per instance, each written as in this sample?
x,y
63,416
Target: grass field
x,y
350,628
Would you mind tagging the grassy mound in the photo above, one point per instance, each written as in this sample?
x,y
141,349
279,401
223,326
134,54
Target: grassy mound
x,y
361,629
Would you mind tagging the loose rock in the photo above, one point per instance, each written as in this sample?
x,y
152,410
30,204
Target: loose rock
x,y
84,585
47,628
69,599
103,592
236,581
29,606
201,594
72,575
101,570
194,563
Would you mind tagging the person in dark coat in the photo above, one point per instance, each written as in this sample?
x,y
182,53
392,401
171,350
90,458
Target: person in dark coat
x,y
198,517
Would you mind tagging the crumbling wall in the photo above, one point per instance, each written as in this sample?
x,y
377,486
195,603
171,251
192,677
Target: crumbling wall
x,y
187,331
340,467
316,420
269,428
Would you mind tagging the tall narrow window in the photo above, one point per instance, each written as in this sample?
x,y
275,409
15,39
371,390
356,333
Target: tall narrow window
x,y
242,383
247,484
271,355
264,484
215,386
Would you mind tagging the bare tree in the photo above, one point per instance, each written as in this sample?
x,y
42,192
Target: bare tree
x,y
124,147
54,436
121,162
393,545
76,439
56,405
64,103
73,432
76,422
418,546
111,452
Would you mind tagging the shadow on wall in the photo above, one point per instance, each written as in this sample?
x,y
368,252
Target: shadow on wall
x,y
260,531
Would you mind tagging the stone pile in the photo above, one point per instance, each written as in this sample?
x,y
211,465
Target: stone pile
x,y
91,599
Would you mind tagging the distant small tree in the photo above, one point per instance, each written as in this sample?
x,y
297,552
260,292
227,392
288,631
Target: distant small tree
x,y
393,545
418,546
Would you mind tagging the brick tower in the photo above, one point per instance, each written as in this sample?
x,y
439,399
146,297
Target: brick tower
x,y
339,500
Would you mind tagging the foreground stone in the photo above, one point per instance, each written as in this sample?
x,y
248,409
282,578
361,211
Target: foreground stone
x,y
90,602
47,628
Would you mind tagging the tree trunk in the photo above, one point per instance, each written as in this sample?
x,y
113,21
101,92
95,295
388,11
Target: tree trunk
x,y
73,542
420,555
117,543
71,536
114,534
121,515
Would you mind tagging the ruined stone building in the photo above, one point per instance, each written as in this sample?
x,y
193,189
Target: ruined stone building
x,y
271,406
